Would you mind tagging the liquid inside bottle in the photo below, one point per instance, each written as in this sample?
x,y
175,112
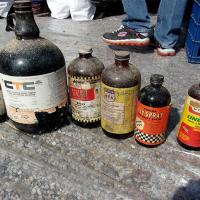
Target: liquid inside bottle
x,y
119,89
33,77
84,77
153,108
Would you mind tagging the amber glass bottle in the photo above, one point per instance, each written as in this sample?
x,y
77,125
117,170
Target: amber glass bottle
x,y
33,76
189,128
153,108
119,89
84,76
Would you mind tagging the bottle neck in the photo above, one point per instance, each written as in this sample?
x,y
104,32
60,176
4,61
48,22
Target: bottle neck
x,y
85,55
26,27
122,63
156,84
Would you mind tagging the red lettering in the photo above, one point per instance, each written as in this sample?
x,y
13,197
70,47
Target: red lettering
x,y
194,110
82,94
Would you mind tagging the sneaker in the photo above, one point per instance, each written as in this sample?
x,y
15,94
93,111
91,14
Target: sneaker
x,y
166,51
126,36
161,50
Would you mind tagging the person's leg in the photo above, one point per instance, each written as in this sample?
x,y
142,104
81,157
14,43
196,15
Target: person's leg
x,y
137,15
167,31
135,27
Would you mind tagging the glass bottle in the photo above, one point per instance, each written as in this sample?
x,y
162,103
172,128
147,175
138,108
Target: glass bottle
x,y
33,76
119,88
84,76
153,108
188,134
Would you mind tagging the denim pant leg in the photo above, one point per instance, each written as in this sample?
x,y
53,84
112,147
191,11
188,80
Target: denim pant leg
x,y
137,15
170,16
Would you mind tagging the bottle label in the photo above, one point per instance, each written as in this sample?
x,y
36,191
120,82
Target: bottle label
x,y
2,104
189,128
26,96
85,98
118,109
151,124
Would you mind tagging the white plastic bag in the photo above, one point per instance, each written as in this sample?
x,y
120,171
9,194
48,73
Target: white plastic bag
x,y
59,8
5,7
82,10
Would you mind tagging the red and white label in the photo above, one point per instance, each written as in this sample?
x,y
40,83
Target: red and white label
x,y
82,94
85,98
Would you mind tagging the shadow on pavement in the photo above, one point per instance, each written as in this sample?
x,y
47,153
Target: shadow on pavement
x,y
189,192
174,119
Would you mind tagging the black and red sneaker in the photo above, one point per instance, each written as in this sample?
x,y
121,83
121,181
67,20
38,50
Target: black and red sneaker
x,y
161,50
166,51
126,36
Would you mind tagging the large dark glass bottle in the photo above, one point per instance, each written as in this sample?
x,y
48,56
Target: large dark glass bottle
x,y
84,88
3,115
119,89
188,134
33,76
153,108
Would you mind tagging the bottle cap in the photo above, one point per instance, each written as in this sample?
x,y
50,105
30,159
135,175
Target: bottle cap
x,y
157,78
122,55
85,49
21,5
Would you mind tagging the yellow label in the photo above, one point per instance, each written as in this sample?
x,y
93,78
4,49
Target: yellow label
x,y
191,113
118,107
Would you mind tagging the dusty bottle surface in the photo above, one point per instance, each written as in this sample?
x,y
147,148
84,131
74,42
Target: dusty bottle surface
x,y
3,115
153,108
188,134
84,77
33,77
119,89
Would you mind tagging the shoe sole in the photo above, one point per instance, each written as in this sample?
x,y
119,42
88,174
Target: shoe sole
x,y
160,53
145,42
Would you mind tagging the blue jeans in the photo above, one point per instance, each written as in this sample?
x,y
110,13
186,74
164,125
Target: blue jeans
x,y
170,15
